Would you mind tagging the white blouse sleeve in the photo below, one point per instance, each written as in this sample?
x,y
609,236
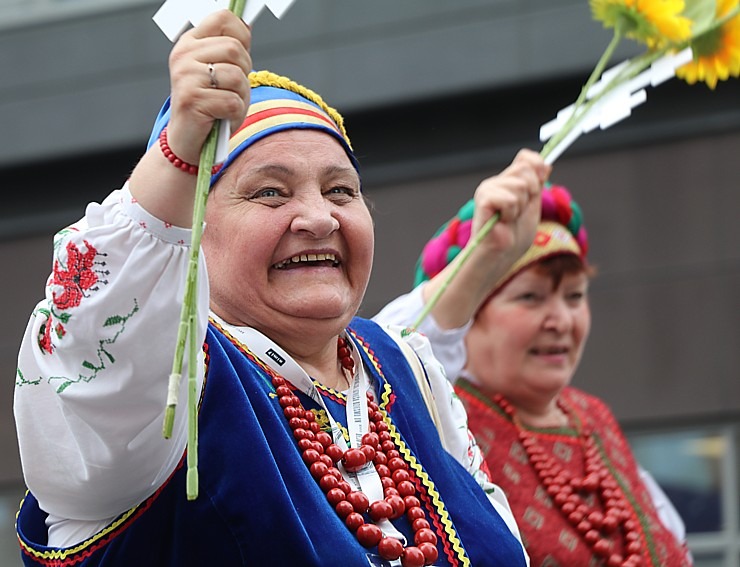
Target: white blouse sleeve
x,y
666,512
93,367
448,344
458,440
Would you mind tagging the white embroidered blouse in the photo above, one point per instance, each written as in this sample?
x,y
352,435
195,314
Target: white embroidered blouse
x,y
93,368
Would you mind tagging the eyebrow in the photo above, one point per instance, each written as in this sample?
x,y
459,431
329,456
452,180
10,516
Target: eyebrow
x,y
273,168
277,169
340,169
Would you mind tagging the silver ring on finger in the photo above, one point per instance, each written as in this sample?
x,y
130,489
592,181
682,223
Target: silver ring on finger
x,y
212,75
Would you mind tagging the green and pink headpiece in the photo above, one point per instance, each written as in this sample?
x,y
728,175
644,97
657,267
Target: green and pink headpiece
x,y
560,231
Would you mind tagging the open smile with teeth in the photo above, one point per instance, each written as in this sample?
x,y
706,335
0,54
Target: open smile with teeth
x,y
329,260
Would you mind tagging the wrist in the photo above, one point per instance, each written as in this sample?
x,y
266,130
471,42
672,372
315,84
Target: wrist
x,y
179,163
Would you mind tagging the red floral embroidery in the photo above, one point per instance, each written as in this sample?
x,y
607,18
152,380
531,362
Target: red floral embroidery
x,y
485,470
80,275
45,338
77,278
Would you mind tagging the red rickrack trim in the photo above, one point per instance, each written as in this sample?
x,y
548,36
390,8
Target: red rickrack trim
x,y
176,161
436,522
421,488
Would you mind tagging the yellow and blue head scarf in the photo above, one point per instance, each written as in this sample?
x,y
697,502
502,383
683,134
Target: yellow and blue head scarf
x,y
277,104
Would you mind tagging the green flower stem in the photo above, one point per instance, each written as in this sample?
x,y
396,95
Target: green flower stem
x,y
466,252
188,314
189,304
191,478
581,105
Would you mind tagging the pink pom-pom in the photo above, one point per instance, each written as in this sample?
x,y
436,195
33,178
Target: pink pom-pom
x,y
463,233
434,255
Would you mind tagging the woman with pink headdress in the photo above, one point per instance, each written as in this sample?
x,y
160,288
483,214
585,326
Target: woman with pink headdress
x,y
559,454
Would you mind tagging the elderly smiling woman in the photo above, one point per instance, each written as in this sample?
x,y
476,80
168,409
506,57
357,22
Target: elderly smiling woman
x,y
316,444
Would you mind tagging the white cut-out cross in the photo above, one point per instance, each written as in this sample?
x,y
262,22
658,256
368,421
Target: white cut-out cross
x,y
175,16
615,105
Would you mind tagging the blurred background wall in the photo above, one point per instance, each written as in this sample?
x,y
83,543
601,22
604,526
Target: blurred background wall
x,y
437,95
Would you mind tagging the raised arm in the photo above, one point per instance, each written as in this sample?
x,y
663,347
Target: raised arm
x,y
515,195
91,383
208,74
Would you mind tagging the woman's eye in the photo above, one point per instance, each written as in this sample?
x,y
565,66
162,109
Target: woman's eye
x,y
341,193
339,190
529,296
270,192
268,196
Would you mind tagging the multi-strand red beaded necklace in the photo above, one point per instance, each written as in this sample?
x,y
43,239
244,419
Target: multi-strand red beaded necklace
x,y
599,526
322,455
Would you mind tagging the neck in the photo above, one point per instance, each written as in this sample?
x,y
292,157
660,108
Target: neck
x,y
319,360
324,367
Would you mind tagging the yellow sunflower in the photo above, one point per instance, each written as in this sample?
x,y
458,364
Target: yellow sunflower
x,y
653,22
716,52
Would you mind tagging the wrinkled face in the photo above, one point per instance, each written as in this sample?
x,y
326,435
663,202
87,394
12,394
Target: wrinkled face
x,y
527,341
288,238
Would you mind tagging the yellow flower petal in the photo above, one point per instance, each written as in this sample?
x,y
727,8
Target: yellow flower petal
x,y
717,52
653,22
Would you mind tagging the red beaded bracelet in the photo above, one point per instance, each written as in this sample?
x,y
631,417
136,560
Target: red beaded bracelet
x,y
176,161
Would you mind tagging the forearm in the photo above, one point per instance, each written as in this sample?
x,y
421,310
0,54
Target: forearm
x,y
468,289
162,189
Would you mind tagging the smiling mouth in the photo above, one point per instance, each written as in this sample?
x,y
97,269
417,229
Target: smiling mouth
x,y
549,350
328,260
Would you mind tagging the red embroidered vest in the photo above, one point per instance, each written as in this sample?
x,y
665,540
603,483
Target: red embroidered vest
x,y
549,536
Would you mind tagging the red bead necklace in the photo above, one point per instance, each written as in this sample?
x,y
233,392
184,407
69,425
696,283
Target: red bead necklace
x,y
570,494
321,455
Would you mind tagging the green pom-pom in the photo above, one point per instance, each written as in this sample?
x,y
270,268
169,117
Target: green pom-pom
x,y
452,253
466,211
576,219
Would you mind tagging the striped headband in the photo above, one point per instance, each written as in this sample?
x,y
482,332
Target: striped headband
x,y
276,104
560,231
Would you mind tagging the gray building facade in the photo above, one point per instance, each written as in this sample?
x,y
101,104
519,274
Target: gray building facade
x,y
437,95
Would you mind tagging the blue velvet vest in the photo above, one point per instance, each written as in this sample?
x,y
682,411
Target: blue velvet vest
x,y
258,503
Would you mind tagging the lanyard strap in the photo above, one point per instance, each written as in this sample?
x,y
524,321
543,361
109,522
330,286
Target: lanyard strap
x,y
366,479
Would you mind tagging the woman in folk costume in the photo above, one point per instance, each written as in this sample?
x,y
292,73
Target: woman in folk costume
x,y
316,446
559,454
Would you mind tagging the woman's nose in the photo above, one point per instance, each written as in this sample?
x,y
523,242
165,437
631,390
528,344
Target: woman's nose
x,y
315,217
558,317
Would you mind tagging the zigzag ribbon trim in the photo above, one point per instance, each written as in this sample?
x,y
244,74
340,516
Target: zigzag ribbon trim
x,y
460,557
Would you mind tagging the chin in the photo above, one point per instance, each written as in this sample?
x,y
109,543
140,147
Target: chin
x,y
323,311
